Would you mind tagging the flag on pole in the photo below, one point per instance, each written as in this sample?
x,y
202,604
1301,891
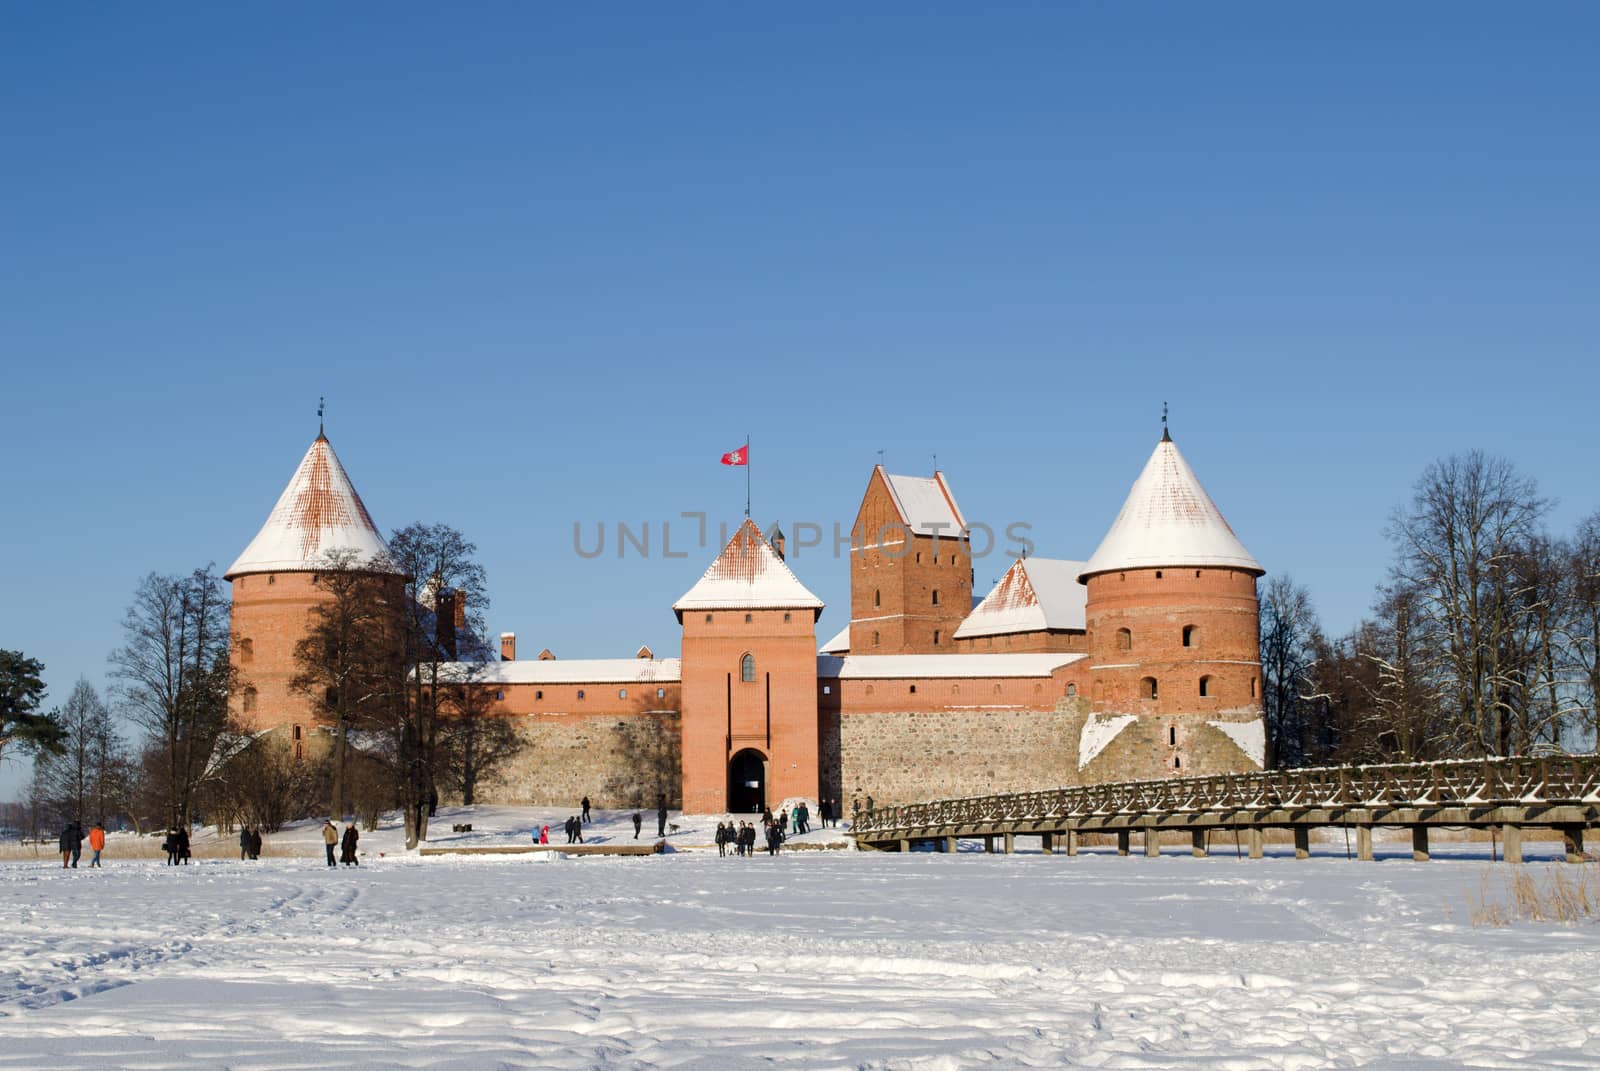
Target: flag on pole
x,y
740,456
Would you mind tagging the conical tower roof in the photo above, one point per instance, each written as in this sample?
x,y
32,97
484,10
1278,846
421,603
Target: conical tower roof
x,y
748,575
1168,520
318,512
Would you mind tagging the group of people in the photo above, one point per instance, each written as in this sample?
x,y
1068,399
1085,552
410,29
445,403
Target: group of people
x,y
742,837
346,843
176,846
249,842
71,844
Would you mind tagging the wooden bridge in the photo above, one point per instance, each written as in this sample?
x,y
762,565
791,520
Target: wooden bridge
x,y
1509,795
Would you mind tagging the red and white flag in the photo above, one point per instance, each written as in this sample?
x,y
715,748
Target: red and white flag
x,y
740,456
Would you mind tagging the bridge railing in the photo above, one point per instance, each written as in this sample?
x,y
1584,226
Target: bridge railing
x,y
1499,781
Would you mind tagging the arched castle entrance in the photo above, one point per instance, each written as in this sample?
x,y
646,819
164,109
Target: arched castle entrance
x,y
747,782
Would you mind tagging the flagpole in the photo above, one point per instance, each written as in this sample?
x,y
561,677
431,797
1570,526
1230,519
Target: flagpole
x,y
747,476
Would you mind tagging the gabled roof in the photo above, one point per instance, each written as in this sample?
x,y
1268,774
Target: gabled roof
x,y
1168,519
840,642
957,666
926,504
318,512
748,575
1035,594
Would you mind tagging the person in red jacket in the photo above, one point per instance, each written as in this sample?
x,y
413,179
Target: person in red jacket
x,y
97,843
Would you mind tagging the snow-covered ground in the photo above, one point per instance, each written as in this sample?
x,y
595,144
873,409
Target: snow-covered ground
x,y
825,959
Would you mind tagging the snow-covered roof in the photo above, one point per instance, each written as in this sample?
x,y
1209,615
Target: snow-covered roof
x,y
926,504
318,512
879,667
1035,594
1168,519
569,671
840,642
748,575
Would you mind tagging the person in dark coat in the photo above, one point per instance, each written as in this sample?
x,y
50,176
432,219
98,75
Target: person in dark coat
x,y
183,845
71,844
638,822
586,817
722,839
170,846
567,828
661,816
774,838
347,846
244,843
747,837
255,842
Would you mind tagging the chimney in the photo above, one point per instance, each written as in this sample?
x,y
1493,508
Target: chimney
x,y
508,646
447,611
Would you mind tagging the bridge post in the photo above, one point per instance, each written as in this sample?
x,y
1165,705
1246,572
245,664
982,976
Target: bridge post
x,y
1257,841
1197,841
988,844
1419,844
1071,836
1047,843
1152,843
1364,843
1010,843
950,845
1302,842
1573,836
1512,835
1123,837
905,845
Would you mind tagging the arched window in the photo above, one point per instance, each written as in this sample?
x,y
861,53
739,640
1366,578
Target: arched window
x,y
748,618
1205,686
580,693
913,689
747,668
247,651
1191,636
874,637
622,693
1177,762
1148,688
1172,736
1124,640
1072,689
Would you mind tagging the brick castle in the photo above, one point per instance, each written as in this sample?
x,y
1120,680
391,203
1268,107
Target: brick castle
x,y
1141,662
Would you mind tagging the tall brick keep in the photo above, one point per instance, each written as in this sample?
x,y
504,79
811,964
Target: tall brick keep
x,y
1174,633
750,728
910,566
276,588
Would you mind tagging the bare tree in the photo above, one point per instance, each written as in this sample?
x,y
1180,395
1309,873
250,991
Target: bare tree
x,y
1583,626
1288,628
89,777
474,743
1456,544
349,657
446,596
174,678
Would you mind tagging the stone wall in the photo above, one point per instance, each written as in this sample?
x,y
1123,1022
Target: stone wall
x,y
618,761
911,756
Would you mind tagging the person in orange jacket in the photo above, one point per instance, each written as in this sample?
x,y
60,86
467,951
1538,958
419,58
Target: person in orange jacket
x,y
97,843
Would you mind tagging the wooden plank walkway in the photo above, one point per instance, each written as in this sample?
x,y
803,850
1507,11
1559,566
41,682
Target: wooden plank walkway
x,y
1508,795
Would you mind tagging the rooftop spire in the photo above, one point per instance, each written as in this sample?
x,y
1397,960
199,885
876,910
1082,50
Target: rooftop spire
x,y
321,434
1166,436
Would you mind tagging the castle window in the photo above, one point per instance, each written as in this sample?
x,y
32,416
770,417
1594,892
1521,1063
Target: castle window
x,y
272,578
1148,688
874,637
316,578
622,693
748,618
955,689
249,702
919,557
1252,687
1177,762
539,694
499,695
747,668
913,689
1124,640
1072,689
936,596
1172,736
1191,636
827,689
1158,574
708,619
877,598
247,650
936,637
297,732
580,693
955,559
661,693
1205,686
785,618
1197,574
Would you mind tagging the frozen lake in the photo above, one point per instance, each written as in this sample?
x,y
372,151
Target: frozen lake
x,y
821,959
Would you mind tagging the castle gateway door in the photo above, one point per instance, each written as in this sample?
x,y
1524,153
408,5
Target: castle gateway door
x,y
747,782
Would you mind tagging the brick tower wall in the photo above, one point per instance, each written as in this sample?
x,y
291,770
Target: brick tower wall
x,y
893,577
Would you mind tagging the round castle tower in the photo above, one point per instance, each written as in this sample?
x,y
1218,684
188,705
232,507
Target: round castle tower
x,y
1174,640
275,589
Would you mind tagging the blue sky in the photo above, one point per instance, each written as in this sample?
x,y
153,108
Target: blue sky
x,y
548,265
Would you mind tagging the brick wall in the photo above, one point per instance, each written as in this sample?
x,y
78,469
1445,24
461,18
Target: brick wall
x,y
618,761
